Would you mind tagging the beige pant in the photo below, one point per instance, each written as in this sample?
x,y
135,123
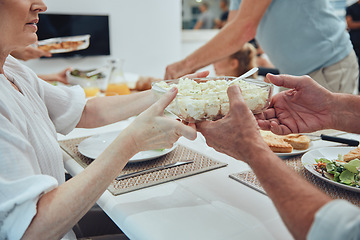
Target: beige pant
x,y
341,77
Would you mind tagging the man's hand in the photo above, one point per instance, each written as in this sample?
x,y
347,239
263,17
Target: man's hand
x,y
176,70
237,134
306,107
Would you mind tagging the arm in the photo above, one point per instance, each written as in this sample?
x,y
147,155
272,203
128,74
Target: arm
x,y
56,77
29,52
308,107
351,24
241,139
229,40
62,207
106,110
198,24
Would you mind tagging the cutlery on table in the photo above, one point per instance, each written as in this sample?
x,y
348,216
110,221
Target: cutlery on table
x,y
154,169
350,142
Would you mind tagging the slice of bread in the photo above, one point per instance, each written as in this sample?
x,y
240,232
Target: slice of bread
x,y
352,155
298,141
276,143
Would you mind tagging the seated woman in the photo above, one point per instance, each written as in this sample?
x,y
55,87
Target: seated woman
x,y
237,63
36,202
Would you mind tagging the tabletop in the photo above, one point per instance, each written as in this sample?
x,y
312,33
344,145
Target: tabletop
x,y
209,205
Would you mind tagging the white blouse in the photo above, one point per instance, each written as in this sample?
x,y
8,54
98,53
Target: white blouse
x,y
30,157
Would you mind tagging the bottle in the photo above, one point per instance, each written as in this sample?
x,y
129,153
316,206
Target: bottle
x,y
117,83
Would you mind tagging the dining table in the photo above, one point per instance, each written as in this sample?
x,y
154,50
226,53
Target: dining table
x,y
206,205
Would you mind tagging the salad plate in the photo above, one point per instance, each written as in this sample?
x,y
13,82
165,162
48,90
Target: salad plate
x,y
93,146
295,152
330,153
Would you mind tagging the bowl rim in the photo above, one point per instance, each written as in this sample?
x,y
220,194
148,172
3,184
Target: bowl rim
x,y
263,84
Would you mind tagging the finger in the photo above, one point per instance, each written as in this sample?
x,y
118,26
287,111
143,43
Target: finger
x,y
286,81
235,95
198,75
202,74
269,113
165,100
186,131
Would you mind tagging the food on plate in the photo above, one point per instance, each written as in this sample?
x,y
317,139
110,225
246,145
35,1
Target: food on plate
x,y
297,141
82,74
276,143
64,44
206,98
285,143
340,171
353,154
69,45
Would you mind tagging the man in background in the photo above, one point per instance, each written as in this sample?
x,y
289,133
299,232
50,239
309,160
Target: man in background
x,y
224,6
353,24
206,19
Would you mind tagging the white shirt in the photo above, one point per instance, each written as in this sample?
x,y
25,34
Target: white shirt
x,y
30,156
338,219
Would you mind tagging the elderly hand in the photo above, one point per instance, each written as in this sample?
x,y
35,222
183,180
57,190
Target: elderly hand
x,y
237,133
306,107
152,130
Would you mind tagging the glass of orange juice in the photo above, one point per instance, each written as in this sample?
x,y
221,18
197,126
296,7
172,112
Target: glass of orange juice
x,y
119,88
90,87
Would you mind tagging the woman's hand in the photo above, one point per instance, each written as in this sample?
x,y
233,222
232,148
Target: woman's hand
x,y
153,130
306,107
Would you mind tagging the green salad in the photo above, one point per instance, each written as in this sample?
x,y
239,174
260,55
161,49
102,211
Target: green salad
x,y
340,171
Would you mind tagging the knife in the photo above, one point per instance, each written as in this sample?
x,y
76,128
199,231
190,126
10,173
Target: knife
x,y
154,169
350,142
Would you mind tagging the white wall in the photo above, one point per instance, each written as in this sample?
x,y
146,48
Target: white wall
x,y
147,34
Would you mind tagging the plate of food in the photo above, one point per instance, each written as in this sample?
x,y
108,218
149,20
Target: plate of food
x,y
93,146
336,165
64,44
287,145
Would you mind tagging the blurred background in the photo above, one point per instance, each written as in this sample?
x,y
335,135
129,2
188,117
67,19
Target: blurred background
x,y
147,34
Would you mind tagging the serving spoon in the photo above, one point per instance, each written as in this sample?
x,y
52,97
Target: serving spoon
x,y
245,75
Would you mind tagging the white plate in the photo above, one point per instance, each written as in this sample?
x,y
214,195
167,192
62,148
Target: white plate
x,y
330,153
295,152
84,38
93,146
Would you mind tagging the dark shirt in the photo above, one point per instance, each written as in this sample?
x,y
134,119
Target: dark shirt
x,y
354,11
224,16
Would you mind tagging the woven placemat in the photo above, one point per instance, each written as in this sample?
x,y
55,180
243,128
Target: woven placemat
x,y
201,164
249,178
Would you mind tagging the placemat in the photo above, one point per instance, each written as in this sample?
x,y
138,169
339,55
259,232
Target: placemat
x,y
201,164
249,178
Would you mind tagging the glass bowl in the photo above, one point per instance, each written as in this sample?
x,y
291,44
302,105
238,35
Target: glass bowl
x,y
201,99
78,77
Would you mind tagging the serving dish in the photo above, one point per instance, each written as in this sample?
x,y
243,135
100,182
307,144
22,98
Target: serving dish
x,y
202,99
64,44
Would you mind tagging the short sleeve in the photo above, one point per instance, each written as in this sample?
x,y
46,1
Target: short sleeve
x,y
234,5
65,105
19,202
338,219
